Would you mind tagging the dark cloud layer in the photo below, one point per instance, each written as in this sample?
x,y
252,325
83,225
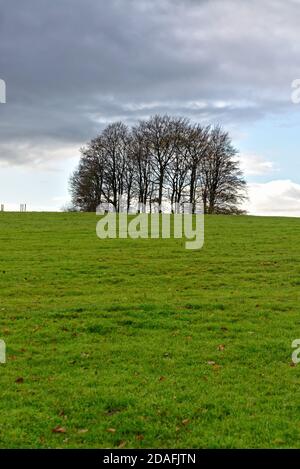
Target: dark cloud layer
x,y
73,65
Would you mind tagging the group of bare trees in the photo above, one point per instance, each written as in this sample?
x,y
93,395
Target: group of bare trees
x,y
161,159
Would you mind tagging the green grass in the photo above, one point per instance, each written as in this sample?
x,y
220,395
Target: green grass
x,y
116,336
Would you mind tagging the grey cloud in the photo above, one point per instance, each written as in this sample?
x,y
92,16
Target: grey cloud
x,y
72,65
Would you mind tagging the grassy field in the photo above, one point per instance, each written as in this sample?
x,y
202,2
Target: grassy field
x,y
141,343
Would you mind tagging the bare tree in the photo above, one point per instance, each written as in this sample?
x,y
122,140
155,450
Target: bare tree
x,y
141,158
115,141
179,165
222,182
161,134
86,183
196,144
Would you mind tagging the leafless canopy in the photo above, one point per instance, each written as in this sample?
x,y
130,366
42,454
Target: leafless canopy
x,y
161,159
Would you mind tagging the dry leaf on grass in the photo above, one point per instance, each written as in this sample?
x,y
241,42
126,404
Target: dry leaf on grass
x,y
59,429
19,380
111,430
122,444
216,367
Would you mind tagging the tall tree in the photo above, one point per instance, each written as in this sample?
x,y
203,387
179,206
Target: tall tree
x,y
86,183
197,144
161,134
115,141
141,158
221,178
179,165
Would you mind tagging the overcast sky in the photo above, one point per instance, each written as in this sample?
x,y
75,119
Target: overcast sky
x,y
72,66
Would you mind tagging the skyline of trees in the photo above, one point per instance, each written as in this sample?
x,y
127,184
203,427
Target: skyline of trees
x,y
160,160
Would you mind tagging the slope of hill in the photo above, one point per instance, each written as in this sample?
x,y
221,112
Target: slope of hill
x,y
141,343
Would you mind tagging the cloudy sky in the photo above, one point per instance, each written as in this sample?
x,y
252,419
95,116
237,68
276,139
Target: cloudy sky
x,y
72,66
